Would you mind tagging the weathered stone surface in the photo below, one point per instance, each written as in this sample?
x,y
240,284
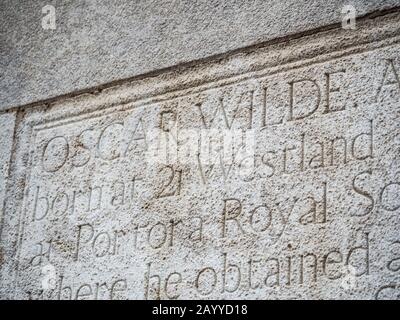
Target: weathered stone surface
x,y
271,174
96,42
7,122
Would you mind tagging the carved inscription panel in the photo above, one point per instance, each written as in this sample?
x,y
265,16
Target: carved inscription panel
x,y
275,183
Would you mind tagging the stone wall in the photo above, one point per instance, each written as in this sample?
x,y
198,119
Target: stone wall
x,y
214,150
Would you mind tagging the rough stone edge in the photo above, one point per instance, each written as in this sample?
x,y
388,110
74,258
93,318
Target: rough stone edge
x,y
7,125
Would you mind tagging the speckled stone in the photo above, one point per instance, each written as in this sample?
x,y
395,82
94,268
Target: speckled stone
x,y
271,173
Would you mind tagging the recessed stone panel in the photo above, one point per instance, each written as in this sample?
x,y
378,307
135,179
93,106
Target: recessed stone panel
x,y
270,175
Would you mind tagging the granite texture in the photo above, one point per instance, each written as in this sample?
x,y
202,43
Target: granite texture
x,y
96,42
7,122
268,173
